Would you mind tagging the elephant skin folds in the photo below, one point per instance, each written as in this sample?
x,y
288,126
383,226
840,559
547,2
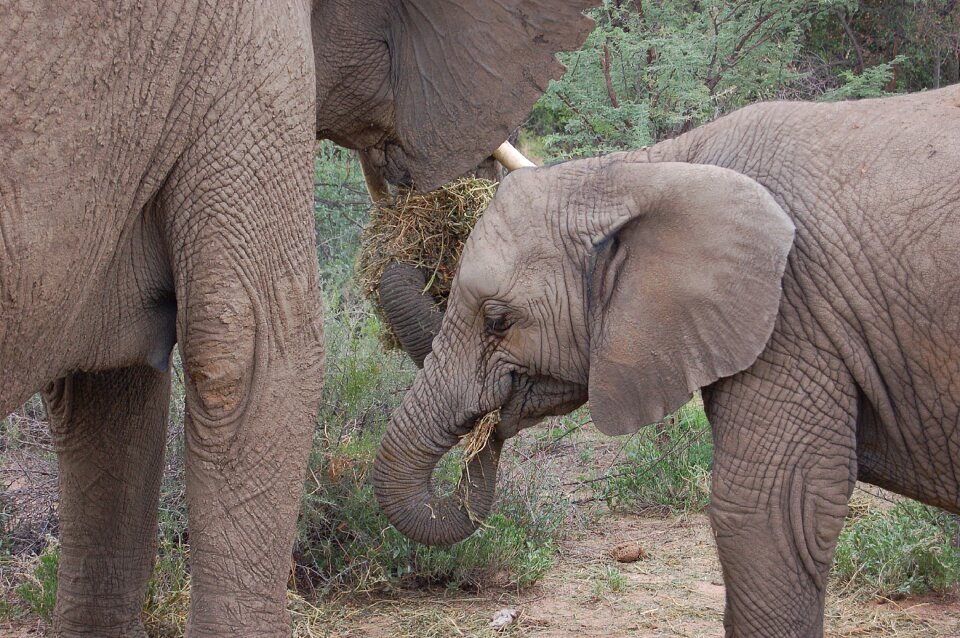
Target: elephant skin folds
x,y
156,188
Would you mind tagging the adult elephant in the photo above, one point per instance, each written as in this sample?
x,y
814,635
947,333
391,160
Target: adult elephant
x,y
797,261
156,187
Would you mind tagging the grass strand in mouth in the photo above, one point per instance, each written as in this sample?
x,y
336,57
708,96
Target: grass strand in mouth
x,y
476,439
473,443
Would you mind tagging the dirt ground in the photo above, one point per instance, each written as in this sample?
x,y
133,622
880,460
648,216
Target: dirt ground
x,y
676,591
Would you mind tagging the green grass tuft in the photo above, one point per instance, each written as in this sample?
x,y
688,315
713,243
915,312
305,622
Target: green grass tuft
x,y
667,465
39,592
610,580
909,548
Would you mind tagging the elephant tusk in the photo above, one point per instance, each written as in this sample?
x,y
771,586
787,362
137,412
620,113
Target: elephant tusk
x,y
510,157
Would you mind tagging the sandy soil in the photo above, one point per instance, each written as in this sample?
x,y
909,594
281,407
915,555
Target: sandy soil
x,y
676,591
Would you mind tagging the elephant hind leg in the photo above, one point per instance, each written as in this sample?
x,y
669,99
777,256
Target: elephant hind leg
x,y
784,468
109,430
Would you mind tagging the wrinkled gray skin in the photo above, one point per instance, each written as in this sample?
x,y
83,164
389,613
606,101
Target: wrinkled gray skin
x,y
156,167
797,261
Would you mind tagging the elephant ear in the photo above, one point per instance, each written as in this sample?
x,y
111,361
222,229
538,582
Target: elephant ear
x,y
467,72
688,261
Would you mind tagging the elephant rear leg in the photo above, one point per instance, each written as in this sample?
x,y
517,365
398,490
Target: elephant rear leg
x,y
109,431
784,468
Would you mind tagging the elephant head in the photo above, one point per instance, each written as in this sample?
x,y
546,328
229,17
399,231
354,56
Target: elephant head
x,y
425,89
628,283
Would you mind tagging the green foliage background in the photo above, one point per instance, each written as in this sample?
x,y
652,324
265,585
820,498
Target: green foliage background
x,y
653,70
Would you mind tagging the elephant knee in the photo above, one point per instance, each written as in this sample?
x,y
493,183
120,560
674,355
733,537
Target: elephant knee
x,y
219,359
219,380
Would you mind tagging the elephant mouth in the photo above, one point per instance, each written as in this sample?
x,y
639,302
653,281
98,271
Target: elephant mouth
x,y
404,480
393,164
533,399
386,162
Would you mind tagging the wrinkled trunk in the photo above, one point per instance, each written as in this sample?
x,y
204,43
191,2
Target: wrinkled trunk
x,y
412,315
416,439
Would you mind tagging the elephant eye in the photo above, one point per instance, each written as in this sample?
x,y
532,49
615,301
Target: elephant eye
x,y
497,324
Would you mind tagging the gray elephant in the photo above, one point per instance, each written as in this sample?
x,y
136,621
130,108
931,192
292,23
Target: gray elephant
x,y
156,165
796,261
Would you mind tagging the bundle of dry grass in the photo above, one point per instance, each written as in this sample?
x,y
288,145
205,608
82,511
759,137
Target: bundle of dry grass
x,y
476,439
427,230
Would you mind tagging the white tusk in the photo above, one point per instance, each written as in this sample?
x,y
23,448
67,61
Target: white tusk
x,y
511,158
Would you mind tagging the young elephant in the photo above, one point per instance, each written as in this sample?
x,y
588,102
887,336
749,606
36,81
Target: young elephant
x,y
797,261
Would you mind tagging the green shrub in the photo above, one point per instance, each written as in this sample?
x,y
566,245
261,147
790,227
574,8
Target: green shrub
x,y
907,549
653,71
346,544
667,465
871,82
340,212
39,592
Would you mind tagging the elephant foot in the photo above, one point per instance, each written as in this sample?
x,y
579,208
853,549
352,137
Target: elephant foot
x,y
131,629
223,615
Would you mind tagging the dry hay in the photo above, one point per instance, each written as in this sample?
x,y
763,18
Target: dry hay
x,y
476,439
473,443
427,230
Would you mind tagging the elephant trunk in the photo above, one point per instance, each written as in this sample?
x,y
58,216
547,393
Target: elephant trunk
x,y
413,316
403,474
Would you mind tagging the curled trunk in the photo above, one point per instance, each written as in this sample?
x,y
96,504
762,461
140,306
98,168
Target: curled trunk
x,y
413,316
403,476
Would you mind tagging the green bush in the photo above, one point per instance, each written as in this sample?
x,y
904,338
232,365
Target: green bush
x,y
870,83
907,549
346,544
340,212
667,465
652,72
917,40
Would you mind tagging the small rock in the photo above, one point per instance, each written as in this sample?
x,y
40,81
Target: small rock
x,y
628,553
503,618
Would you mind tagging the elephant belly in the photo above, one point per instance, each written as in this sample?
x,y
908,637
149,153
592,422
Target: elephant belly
x,y
907,357
125,316
97,103
910,443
